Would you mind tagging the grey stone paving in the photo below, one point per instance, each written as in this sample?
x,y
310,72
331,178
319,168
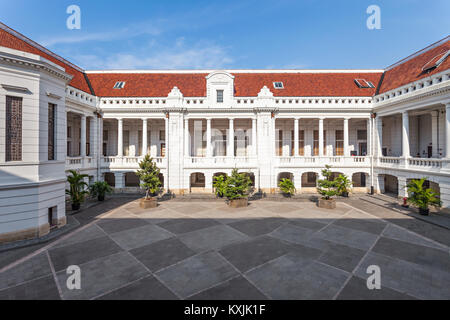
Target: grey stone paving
x,y
270,250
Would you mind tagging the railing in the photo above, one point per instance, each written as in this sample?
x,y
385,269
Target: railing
x,y
224,161
332,160
390,160
79,162
430,162
128,162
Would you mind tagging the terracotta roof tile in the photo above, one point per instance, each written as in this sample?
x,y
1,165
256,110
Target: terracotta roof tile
x,y
10,41
411,70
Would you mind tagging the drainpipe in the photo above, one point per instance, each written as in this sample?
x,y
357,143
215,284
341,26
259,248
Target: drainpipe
x,y
372,131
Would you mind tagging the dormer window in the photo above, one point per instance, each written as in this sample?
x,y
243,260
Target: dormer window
x,y
119,85
219,96
363,84
278,85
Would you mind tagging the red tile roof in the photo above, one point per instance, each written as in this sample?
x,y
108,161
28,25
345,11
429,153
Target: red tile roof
x,y
9,40
305,84
411,69
245,84
148,84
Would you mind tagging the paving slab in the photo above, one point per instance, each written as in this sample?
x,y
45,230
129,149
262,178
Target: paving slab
x,y
162,254
141,236
214,237
196,274
349,237
103,275
148,288
40,289
257,227
180,226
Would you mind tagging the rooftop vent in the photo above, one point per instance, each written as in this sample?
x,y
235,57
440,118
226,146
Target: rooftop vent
x,y
278,85
362,83
119,85
435,62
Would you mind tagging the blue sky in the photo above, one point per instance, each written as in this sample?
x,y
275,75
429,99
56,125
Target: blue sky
x,y
230,34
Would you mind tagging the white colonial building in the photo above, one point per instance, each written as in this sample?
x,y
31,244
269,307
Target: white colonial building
x,y
379,127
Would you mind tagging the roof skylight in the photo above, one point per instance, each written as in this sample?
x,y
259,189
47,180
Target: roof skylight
x,y
278,85
119,85
362,83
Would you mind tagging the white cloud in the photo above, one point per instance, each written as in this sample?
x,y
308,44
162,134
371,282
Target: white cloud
x,y
122,33
198,56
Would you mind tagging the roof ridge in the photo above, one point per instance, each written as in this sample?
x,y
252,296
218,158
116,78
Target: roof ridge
x,y
38,46
417,53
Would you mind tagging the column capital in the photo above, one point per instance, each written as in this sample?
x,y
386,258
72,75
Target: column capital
x,y
144,119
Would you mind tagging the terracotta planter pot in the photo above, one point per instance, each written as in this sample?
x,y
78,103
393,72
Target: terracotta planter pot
x,y
148,203
327,204
238,203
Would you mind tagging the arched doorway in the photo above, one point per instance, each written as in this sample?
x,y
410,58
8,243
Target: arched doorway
x,y
110,178
359,181
197,182
309,182
131,180
390,185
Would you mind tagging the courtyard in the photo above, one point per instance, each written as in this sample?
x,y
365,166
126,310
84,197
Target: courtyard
x,y
269,250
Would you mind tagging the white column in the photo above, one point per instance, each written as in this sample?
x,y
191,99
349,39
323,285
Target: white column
x,y
166,135
83,136
369,136
144,136
120,137
346,148
435,133
93,136
254,138
447,130
379,137
296,137
405,135
321,137
230,152
208,138
186,138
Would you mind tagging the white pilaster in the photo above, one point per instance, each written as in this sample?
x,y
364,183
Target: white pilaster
x,y
296,137
321,137
369,136
346,148
186,138
230,152
435,133
447,130
166,135
208,138
405,135
120,137
83,136
379,137
254,138
144,136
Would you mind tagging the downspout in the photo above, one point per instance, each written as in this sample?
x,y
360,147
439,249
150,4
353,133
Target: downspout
x,y
372,131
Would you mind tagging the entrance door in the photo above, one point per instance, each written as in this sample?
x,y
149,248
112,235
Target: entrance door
x,y
363,148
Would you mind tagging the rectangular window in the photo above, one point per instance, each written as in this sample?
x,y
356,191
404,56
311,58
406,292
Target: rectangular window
x,y
280,143
162,135
13,144
219,96
339,142
69,132
163,150
316,142
301,143
105,135
362,134
51,131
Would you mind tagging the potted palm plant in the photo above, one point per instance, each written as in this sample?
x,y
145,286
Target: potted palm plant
x,y
343,185
327,189
236,189
219,184
77,188
149,176
99,189
422,197
287,187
